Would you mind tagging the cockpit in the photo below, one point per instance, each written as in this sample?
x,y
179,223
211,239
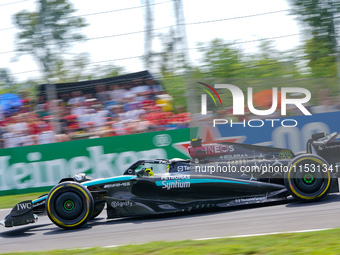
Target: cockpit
x,y
158,166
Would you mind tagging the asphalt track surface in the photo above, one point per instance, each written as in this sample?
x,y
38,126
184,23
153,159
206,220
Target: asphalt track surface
x,y
247,220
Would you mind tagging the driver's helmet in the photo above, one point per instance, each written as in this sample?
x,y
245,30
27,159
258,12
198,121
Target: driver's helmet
x,y
148,172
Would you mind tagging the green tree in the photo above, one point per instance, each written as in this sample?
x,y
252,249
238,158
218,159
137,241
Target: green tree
x,y
6,78
221,59
320,44
321,58
224,60
171,58
48,33
166,62
105,71
268,62
224,63
78,69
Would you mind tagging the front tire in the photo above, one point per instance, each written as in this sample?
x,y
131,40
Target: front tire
x,y
308,178
69,205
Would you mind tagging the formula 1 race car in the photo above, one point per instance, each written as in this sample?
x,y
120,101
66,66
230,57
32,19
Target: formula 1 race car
x,y
217,176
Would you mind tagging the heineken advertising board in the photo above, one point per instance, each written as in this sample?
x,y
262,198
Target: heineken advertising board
x,y
39,167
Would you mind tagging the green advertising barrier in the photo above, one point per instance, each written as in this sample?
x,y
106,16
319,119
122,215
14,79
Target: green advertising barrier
x,y
39,167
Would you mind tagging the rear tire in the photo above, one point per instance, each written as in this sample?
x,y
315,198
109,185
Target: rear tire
x,y
308,178
69,205
97,210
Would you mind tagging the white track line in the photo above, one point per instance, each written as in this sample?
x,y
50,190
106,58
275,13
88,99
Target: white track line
x,y
220,237
263,234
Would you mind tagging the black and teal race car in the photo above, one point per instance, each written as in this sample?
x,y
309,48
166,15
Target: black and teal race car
x,y
217,176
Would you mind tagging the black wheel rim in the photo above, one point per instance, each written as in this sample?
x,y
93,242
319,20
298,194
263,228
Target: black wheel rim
x,y
69,206
309,183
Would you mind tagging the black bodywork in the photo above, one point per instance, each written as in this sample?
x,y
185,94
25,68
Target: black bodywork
x,y
217,176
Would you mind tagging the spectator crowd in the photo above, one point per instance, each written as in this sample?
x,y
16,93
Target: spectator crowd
x,y
114,109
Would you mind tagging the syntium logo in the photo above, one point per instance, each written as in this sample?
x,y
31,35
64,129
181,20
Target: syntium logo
x,y
238,99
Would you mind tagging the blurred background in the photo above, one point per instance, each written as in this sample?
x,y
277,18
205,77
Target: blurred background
x,y
72,69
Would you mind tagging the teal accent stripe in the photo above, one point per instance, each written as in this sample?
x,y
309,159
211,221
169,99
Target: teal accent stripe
x,y
39,199
160,183
108,180
95,182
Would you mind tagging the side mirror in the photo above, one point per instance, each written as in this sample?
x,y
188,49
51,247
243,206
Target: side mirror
x,y
317,136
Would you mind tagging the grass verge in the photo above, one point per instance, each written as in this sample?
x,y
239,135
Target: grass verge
x,y
320,242
11,200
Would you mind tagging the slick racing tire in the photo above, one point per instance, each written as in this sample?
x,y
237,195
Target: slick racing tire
x,y
308,178
69,205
